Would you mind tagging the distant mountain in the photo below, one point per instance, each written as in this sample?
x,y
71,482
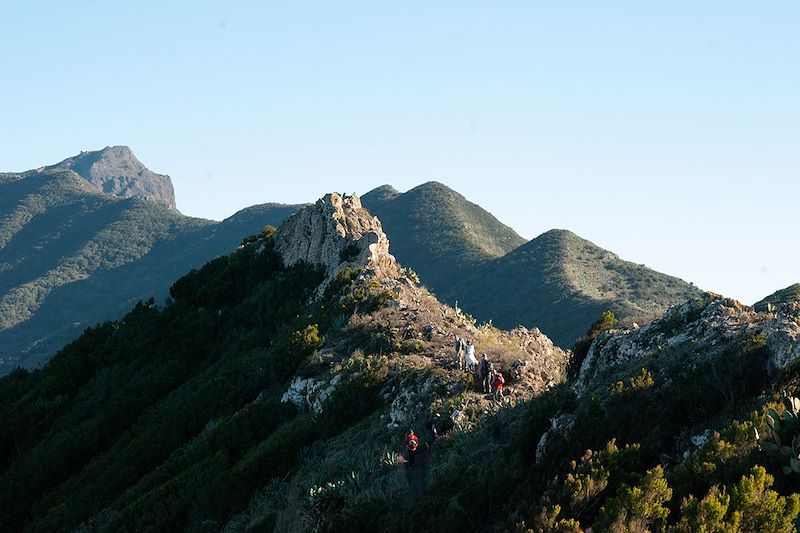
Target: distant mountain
x,y
72,255
116,171
438,232
561,283
558,282
783,296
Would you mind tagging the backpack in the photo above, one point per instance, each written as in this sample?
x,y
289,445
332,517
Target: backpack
x,y
412,444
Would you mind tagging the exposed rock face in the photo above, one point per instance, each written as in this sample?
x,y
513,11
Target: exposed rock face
x,y
544,366
705,326
115,170
309,394
335,233
783,336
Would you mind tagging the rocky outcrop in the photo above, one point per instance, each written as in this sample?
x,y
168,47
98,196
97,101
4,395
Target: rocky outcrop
x,y
783,336
334,233
704,326
309,394
116,171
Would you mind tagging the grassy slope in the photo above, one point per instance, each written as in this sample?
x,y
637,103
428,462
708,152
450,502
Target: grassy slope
x,y
557,282
438,232
561,283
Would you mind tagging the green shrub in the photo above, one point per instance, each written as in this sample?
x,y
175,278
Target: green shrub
x,y
750,506
639,508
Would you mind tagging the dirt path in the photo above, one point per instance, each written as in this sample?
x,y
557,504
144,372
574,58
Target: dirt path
x,y
416,476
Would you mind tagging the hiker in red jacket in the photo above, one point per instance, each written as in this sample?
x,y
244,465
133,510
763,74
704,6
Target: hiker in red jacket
x,y
497,385
412,442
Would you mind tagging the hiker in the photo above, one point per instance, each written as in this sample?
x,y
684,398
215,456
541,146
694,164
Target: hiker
x,y
472,362
497,385
459,353
434,426
483,373
411,445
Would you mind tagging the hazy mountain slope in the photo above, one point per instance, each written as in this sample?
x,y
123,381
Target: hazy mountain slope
x,y
783,296
71,255
248,404
438,232
561,283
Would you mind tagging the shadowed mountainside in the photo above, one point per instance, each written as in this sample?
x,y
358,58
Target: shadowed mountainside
x,y
255,401
72,255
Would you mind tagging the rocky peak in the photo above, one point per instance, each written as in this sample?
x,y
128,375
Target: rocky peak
x,y
116,171
336,232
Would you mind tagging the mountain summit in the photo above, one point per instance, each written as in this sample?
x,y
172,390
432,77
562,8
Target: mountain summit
x,y
115,170
438,232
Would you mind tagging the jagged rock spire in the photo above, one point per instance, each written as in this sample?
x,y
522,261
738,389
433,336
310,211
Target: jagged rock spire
x,y
334,233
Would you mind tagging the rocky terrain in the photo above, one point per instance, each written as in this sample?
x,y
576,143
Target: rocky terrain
x,y
701,328
336,233
788,295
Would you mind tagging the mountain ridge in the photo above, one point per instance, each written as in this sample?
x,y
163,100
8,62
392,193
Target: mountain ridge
x,y
437,231
251,402
558,282
563,283
72,255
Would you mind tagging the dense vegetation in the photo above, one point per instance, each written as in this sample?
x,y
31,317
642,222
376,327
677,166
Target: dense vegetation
x,y
153,421
71,256
170,419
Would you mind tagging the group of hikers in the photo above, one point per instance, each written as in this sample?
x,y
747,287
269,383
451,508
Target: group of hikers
x,y
489,378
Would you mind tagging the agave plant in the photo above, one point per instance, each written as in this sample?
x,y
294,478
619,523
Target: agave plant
x,y
784,433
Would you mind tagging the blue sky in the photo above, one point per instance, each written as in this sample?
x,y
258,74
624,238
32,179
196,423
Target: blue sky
x,y
667,132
